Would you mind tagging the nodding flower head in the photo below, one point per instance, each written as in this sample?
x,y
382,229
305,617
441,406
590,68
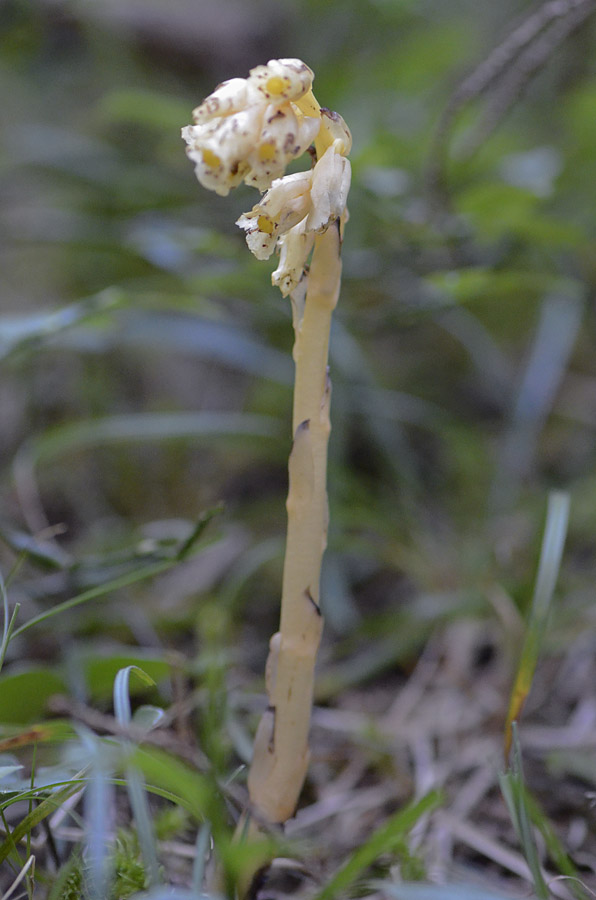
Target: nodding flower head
x,y
249,129
295,209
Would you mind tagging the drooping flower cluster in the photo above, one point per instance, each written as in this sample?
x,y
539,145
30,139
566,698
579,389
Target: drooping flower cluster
x,y
295,209
249,130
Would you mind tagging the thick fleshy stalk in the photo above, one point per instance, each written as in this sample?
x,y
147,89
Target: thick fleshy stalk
x,y
281,754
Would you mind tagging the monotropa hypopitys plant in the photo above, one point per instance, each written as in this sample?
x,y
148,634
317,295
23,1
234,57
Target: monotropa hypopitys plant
x,y
249,130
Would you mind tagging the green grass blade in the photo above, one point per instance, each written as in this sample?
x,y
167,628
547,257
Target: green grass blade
x,y
45,808
555,849
134,783
173,893
200,525
13,854
201,849
525,813
121,692
381,841
135,427
32,787
415,891
551,553
99,801
193,791
28,332
5,614
25,874
141,813
513,790
23,796
8,620
42,553
98,592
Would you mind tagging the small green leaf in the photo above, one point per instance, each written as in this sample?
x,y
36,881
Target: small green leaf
x,y
101,672
147,716
24,694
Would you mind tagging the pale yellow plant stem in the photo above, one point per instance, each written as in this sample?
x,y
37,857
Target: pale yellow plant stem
x,y
281,754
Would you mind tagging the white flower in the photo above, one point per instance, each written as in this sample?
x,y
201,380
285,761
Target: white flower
x,y
249,129
287,79
294,209
284,205
229,97
294,250
330,186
